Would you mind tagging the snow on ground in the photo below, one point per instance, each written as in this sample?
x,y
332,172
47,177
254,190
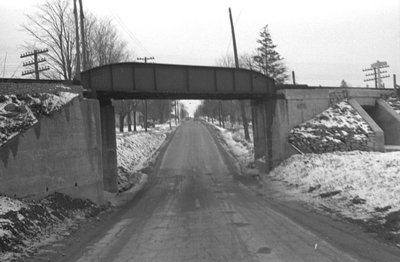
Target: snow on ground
x,y
20,112
234,141
9,204
27,225
359,185
339,128
23,224
135,150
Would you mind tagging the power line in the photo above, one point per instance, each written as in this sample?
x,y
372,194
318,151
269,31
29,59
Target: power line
x,y
12,76
128,31
4,65
35,62
377,73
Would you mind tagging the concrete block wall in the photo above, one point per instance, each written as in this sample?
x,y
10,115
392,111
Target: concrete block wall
x,y
60,153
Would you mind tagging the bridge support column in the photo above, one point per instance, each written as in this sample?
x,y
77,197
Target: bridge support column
x,y
263,112
109,152
259,127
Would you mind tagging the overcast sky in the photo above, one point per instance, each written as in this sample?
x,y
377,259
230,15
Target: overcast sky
x,y
322,41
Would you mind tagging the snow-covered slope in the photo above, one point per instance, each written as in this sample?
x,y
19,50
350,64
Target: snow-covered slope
x,y
357,184
20,112
339,128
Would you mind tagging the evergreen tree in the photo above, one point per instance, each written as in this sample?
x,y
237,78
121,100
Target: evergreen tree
x,y
267,60
344,84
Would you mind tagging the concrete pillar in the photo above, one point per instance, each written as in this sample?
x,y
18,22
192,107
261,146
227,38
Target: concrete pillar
x,y
263,116
259,137
109,152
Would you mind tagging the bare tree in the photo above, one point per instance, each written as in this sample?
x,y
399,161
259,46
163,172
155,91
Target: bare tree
x,y
124,108
245,61
104,44
52,26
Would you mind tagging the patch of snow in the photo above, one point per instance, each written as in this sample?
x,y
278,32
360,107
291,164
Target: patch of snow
x,y
237,145
371,176
135,150
9,204
20,112
339,128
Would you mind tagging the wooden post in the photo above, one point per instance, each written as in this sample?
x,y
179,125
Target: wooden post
x,y
78,55
242,104
84,51
294,78
35,59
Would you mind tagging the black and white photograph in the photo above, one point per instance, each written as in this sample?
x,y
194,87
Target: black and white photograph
x,y
200,131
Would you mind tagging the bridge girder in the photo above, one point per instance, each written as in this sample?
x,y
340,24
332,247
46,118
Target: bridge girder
x,y
152,81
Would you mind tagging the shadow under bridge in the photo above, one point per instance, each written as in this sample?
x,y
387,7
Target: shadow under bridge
x,y
164,81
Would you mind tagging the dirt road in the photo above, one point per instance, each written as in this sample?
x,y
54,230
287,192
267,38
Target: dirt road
x,y
195,208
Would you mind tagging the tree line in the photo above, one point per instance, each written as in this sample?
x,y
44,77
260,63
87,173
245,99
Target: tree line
x,y
159,111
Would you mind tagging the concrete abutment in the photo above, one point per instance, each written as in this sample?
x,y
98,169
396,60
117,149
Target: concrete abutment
x,y
274,118
61,153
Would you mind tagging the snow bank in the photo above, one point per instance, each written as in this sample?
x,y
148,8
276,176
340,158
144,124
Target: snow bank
x,y
134,152
360,185
26,225
235,143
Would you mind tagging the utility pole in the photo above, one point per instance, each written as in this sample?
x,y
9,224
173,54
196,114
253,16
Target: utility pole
x,y
176,112
78,53
294,77
84,50
36,60
377,73
145,59
242,105
145,101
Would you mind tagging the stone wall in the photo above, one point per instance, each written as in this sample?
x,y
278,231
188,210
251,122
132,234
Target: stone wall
x,y
60,153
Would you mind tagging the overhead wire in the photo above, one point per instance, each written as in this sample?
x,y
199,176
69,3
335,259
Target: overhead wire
x,y
128,31
12,76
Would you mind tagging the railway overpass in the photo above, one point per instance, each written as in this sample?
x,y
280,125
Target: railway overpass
x,y
89,126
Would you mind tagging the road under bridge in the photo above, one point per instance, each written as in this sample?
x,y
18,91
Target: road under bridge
x,y
276,109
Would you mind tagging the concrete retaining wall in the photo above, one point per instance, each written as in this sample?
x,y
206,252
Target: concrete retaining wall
x,y
387,119
296,106
60,153
376,142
